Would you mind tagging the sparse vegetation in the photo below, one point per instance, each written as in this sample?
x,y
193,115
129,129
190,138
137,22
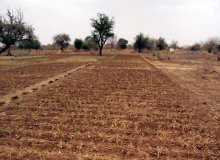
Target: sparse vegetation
x,y
211,44
91,119
115,105
195,47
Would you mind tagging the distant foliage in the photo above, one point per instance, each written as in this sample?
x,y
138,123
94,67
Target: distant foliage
x,y
33,43
78,43
103,29
89,44
174,44
122,43
211,44
195,47
161,44
62,40
152,44
112,41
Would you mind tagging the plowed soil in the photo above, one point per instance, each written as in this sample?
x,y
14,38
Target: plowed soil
x,y
120,108
20,72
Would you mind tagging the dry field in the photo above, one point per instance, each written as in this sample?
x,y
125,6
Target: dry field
x,y
118,107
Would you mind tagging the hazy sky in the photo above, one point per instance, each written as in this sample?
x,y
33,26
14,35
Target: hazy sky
x,y
187,21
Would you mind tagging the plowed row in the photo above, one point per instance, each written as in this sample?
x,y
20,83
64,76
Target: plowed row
x,y
21,77
121,108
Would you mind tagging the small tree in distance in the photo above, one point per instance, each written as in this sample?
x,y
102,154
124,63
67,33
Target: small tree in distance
x,y
174,44
62,40
89,44
140,42
103,29
211,44
162,44
122,43
33,43
195,47
78,43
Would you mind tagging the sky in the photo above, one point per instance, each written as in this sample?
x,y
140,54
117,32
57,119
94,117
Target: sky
x,y
187,21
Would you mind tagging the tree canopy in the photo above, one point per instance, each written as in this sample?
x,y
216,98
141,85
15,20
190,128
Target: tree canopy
x,y
62,40
122,43
89,43
32,43
103,29
13,29
162,44
78,43
140,42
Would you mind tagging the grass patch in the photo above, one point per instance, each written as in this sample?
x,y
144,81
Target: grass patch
x,y
82,58
18,62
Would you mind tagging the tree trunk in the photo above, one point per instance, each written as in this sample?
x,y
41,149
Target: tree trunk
x,y
218,56
4,49
9,52
100,51
62,48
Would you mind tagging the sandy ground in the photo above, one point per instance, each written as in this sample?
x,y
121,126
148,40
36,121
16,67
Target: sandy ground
x,y
198,72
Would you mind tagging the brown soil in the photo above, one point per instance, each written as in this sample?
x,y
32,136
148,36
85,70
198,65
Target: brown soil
x,y
121,108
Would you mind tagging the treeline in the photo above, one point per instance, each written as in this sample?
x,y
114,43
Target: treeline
x,y
210,45
15,32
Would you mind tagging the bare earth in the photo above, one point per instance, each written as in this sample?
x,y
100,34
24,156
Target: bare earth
x,y
122,107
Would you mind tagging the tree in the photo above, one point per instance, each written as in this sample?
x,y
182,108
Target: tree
x,y
32,43
89,43
195,47
152,45
78,43
26,44
103,29
122,43
211,43
62,40
13,29
140,42
216,51
161,44
36,44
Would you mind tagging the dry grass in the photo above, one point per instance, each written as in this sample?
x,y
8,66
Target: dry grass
x,y
120,108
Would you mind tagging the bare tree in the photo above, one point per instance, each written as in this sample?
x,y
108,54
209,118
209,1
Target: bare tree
x,y
174,44
216,51
211,43
13,29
